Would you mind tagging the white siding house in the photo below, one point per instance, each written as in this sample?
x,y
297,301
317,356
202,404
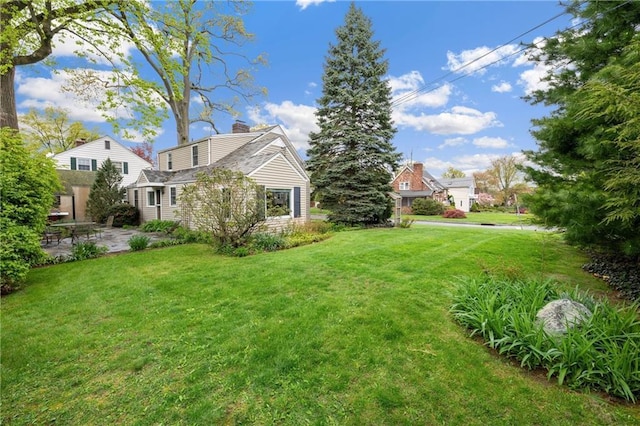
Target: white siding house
x,y
89,156
462,190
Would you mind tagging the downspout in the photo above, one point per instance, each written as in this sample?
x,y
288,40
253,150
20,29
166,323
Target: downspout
x,y
209,151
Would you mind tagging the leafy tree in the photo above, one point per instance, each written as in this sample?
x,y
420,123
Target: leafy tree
x,y
453,173
485,182
51,131
193,49
351,157
504,173
144,151
587,160
28,181
27,32
225,204
105,191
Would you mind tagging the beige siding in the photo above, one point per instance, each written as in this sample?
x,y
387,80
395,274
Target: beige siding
x,y
280,174
223,145
181,156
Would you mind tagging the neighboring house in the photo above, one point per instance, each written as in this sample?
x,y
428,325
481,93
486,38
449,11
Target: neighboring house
x,y
413,181
265,155
461,190
89,156
71,202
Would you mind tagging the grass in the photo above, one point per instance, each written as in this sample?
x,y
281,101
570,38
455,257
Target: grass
x,y
316,210
494,218
353,330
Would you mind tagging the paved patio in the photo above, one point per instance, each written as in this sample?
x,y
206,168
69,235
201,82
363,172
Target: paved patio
x,y
115,239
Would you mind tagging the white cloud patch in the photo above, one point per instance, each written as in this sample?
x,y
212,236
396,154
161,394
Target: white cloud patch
x,y
475,60
404,91
303,4
489,142
503,87
467,163
298,120
458,120
452,142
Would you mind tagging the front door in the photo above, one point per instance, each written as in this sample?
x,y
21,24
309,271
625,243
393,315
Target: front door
x,y
158,204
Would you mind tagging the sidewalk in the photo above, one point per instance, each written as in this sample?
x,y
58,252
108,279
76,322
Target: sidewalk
x,y
115,239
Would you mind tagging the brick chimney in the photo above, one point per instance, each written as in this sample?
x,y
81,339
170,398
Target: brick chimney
x,y
79,142
240,127
416,179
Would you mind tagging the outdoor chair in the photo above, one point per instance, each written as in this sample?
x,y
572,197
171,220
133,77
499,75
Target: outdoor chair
x,y
50,234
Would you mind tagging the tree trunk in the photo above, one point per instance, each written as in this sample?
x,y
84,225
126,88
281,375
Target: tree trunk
x,y
8,113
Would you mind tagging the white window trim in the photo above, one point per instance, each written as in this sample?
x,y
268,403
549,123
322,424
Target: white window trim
x,y
175,202
404,186
170,161
286,216
79,160
195,147
151,191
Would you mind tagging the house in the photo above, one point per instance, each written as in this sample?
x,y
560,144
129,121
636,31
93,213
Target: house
x,y
89,156
71,202
461,192
413,181
265,155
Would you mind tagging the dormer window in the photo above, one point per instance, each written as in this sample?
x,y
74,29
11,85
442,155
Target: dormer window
x,y
194,155
169,161
107,144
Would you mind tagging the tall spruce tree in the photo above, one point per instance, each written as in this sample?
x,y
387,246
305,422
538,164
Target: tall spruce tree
x,y
586,145
105,192
351,158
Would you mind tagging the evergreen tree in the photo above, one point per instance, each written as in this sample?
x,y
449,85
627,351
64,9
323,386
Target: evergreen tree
x,y
586,157
351,158
105,192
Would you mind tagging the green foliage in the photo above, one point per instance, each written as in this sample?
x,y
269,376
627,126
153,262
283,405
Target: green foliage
x,y
454,214
427,207
124,215
87,250
138,242
105,192
475,208
351,156
587,166
453,173
263,241
51,131
158,225
27,183
406,223
602,354
226,204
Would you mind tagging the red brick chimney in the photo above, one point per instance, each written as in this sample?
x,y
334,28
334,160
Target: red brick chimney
x,y
416,179
240,127
80,142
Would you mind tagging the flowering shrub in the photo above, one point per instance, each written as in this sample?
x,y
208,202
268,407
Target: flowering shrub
x,y
454,214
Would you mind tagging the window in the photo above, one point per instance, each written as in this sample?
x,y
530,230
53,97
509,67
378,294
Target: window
x,y
135,198
194,155
84,164
169,161
151,198
121,166
107,144
278,202
172,196
404,186
118,166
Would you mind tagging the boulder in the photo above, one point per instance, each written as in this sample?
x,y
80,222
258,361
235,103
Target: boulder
x,y
558,316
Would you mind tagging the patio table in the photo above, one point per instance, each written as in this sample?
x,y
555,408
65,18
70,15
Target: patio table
x,y
76,228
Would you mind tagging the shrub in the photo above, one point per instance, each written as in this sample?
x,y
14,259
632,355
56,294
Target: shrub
x,y
454,214
19,250
86,250
166,243
603,353
138,242
406,223
124,214
475,208
157,225
267,242
187,235
427,207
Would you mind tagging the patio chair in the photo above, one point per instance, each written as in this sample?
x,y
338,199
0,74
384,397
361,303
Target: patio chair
x,y
51,233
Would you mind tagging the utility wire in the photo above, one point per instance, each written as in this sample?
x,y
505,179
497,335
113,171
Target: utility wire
x,y
424,90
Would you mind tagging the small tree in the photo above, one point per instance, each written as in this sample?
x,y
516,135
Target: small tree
x,y
105,192
226,204
28,181
453,173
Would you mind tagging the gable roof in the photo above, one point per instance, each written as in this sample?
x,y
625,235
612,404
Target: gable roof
x,y
463,182
427,178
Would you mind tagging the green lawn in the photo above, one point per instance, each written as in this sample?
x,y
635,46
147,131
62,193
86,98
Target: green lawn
x,y
495,218
353,330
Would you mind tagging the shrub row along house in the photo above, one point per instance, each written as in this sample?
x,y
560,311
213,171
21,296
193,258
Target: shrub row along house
x,y
266,155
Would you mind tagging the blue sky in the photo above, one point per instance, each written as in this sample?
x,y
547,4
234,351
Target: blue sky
x,y
463,123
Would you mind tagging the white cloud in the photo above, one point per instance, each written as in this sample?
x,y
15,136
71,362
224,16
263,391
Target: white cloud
x,y
452,142
306,3
458,120
404,92
472,61
467,163
298,120
489,142
503,87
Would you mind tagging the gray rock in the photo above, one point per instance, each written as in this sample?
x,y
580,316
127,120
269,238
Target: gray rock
x,y
559,315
